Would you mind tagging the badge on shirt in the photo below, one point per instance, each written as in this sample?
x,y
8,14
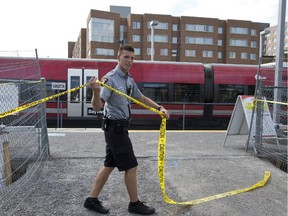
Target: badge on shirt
x,y
104,80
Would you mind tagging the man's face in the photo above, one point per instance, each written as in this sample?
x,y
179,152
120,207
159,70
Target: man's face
x,y
125,59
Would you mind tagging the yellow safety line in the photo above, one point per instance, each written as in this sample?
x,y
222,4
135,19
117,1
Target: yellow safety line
x,y
161,161
275,102
34,103
161,147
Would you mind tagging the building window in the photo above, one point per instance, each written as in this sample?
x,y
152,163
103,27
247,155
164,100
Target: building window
x,y
238,30
244,55
253,56
137,51
136,38
238,42
175,27
136,25
123,30
219,55
175,40
164,52
253,32
220,42
253,44
174,53
232,55
101,30
199,28
207,54
220,30
102,51
190,53
149,51
198,40
158,38
160,25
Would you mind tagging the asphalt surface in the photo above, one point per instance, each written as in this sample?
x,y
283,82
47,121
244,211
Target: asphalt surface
x,y
197,166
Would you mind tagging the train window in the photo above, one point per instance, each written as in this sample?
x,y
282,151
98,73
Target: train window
x,y
75,95
229,93
251,90
156,91
187,93
89,92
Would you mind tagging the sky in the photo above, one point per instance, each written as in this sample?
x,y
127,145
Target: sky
x,y
48,25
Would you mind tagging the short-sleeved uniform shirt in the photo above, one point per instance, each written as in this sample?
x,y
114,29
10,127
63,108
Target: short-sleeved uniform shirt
x,y
116,106
119,149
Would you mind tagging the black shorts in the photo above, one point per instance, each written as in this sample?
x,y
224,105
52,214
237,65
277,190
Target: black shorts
x,y
119,149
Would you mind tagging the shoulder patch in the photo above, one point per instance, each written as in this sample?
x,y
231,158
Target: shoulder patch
x,y
104,80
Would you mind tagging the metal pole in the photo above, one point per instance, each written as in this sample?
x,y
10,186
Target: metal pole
x,y
279,59
152,42
257,96
183,127
61,115
152,24
58,100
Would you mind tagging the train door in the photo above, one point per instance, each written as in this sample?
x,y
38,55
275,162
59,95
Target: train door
x,y
79,101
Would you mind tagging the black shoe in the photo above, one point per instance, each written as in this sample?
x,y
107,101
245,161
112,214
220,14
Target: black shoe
x,y
140,208
96,205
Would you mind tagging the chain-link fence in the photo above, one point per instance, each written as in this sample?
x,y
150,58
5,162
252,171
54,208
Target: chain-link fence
x,y
268,133
23,135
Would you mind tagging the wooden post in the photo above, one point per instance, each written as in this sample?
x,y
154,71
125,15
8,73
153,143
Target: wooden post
x,y
7,163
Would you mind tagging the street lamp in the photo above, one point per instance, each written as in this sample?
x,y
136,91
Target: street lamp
x,y
152,24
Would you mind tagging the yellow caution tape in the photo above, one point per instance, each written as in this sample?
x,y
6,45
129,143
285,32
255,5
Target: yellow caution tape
x,y
161,147
161,160
34,103
273,102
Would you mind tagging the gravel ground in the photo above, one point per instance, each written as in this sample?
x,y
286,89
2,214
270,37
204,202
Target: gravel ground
x,y
197,166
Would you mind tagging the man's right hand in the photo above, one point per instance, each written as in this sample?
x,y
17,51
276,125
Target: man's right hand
x,y
94,85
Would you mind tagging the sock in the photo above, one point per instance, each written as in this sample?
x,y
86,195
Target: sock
x,y
135,203
93,198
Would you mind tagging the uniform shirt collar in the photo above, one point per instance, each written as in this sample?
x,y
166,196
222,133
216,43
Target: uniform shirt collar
x,y
120,72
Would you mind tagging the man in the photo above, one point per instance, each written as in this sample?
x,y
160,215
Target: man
x,y
119,150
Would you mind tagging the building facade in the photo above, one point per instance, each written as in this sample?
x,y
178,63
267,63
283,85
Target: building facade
x,y
270,41
183,39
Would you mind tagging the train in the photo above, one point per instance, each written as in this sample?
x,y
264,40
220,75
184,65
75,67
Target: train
x,y
197,95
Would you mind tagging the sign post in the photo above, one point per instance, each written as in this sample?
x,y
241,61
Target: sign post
x,y
58,86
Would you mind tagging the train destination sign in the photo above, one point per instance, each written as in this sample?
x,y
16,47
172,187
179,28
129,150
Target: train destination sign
x,y
58,86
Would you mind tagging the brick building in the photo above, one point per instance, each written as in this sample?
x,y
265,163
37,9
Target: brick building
x,y
184,39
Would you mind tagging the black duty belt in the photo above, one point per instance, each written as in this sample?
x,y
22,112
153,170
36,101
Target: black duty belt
x,y
118,123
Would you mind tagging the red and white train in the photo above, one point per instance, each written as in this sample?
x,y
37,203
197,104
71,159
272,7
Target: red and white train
x,y
197,95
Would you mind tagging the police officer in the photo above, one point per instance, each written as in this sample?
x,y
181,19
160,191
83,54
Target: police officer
x,y
119,150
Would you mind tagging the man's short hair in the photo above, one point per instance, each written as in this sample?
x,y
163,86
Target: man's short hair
x,y
126,47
